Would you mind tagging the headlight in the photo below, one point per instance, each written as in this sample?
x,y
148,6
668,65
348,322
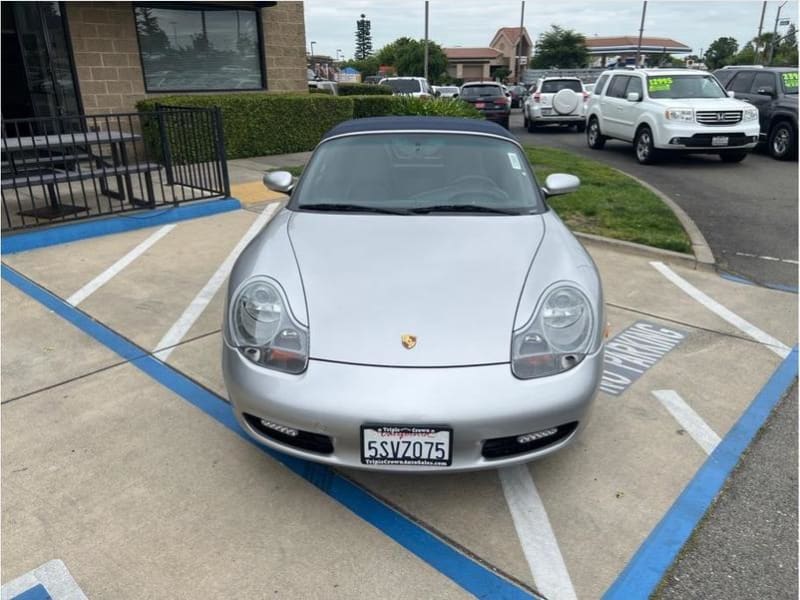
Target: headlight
x,y
263,330
750,114
561,334
679,114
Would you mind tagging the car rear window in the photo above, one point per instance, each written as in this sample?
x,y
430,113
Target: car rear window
x,y
403,86
556,85
481,91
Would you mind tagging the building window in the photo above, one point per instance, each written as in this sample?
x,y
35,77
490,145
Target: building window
x,y
199,48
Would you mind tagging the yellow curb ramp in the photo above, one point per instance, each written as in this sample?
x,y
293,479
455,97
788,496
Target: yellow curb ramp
x,y
254,192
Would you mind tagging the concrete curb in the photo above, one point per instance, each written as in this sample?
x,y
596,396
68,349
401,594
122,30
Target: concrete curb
x,y
703,257
685,260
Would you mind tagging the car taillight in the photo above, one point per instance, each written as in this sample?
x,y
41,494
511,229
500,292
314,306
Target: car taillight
x,y
585,96
537,97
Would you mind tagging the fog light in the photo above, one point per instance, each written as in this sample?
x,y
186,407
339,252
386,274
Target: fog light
x,y
280,428
675,141
536,435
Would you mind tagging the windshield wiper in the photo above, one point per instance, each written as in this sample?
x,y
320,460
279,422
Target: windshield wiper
x,y
463,208
336,207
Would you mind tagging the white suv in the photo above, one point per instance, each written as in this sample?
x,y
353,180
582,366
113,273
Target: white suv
x,y
556,100
408,86
670,109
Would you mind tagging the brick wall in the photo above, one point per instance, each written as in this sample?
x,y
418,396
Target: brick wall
x,y
106,51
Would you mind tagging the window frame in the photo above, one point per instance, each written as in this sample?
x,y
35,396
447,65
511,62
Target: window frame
x,y
740,76
193,6
613,81
754,87
601,82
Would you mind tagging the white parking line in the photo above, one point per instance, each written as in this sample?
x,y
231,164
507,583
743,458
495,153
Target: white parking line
x,y
689,420
535,534
754,332
107,275
184,323
771,258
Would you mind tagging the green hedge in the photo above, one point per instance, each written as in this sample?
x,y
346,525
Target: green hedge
x,y
313,90
258,124
364,89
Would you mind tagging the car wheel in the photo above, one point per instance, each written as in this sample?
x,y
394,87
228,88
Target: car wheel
x,y
733,156
782,141
580,127
524,119
643,146
504,122
594,138
531,125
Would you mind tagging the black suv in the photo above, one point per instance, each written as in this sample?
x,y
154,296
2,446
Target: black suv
x,y
773,90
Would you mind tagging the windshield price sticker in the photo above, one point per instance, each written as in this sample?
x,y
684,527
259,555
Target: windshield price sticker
x,y
659,84
790,80
512,158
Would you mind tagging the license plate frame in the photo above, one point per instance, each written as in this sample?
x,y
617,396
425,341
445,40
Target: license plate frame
x,y
480,105
720,140
399,434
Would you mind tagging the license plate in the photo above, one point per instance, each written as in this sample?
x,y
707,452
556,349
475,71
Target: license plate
x,y
480,105
547,111
719,140
406,445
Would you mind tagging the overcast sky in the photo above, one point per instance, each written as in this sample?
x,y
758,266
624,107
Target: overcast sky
x,y
332,23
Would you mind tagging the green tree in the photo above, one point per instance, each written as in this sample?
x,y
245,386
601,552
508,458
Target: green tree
x,y
786,53
745,56
365,66
721,52
151,36
561,48
363,38
407,56
501,73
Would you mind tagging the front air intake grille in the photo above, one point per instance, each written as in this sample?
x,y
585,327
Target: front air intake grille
x,y
304,440
716,117
509,446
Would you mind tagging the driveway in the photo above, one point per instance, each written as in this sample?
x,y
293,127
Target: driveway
x,y
746,211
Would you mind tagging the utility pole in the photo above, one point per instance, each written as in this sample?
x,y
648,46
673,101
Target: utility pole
x,y
641,30
519,42
760,29
426,41
774,35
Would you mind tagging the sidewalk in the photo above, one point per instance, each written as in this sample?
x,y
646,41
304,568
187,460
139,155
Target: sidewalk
x,y
246,173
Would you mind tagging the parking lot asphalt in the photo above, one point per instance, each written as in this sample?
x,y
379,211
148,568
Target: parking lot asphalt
x,y
140,494
747,211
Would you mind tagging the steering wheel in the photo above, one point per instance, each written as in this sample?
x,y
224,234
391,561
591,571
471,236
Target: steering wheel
x,y
486,186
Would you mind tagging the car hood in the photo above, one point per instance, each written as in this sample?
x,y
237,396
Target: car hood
x,y
703,103
451,281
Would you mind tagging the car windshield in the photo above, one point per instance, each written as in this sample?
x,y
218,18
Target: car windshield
x,y
556,85
684,86
481,91
418,173
403,86
789,82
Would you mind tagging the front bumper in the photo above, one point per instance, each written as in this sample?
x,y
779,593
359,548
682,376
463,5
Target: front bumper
x,y
741,136
332,400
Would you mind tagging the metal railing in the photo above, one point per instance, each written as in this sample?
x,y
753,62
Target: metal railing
x,y
58,169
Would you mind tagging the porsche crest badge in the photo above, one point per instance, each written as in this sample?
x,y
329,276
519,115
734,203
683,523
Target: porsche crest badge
x,y
408,340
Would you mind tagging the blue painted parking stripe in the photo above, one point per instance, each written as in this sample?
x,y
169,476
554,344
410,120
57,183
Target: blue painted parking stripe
x,y
37,592
72,232
468,573
651,561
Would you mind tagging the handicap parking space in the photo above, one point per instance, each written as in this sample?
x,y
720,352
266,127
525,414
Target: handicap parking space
x,y
134,488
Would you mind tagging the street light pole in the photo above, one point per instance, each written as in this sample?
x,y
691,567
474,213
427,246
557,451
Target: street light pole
x,y
425,68
519,42
760,29
775,35
312,49
641,30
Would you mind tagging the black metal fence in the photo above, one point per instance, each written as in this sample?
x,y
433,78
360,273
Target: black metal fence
x,y
66,168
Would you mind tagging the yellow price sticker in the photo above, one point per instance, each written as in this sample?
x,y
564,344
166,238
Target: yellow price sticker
x,y
659,84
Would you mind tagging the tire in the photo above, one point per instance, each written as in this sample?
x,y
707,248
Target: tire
x,y
594,138
531,126
580,127
505,123
643,147
733,156
524,119
782,141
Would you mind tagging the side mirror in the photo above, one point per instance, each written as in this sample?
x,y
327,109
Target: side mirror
x,y
634,96
766,91
731,94
279,181
560,183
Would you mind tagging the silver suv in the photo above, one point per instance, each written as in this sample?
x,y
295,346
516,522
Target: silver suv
x,y
556,100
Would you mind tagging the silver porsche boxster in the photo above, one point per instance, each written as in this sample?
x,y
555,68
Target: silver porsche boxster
x,y
415,306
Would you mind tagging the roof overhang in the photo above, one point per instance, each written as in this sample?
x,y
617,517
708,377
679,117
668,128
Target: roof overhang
x,y
632,48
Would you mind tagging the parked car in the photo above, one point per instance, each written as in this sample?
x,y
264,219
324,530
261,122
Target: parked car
x,y
331,86
518,94
351,337
670,110
556,101
773,91
489,98
446,91
408,86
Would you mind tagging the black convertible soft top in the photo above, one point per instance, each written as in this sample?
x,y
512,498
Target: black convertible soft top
x,y
418,123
